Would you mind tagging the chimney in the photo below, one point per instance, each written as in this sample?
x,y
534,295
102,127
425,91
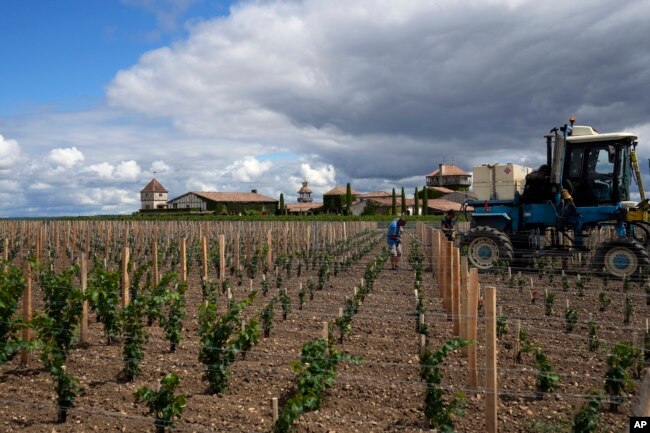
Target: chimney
x,y
254,191
441,167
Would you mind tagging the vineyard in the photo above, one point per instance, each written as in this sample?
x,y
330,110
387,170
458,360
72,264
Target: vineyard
x,y
302,326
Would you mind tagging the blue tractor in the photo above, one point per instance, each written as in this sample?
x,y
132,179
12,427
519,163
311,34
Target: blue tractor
x,y
583,186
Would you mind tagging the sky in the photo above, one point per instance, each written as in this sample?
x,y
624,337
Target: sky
x,y
97,96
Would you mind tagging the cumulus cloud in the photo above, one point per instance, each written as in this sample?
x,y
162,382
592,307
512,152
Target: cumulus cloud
x,y
9,152
40,186
127,170
374,92
366,84
106,197
324,175
159,167
124,171
103,169
249,169
67,157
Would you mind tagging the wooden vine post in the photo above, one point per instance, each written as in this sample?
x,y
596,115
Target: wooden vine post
x,y
274,408
156,278
125,278
269,250
491,360
222,257
184,260
472,315
25,355
204,258
455,286
83,326
464,311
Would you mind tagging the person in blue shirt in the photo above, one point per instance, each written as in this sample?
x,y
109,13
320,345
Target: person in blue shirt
x,y
394,240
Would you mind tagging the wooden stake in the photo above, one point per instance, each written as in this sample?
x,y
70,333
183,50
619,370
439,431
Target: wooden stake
x,y
472,314
184,260
25,355
274,405
83,326
491,391
463,301
204,257
269,249
125,278
455,287
156,278
516,340
423,345
222,257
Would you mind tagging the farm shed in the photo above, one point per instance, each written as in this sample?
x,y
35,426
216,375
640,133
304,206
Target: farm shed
x,y
230,202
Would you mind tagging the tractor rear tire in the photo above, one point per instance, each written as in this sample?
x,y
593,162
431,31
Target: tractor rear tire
x,y
487,247
622,258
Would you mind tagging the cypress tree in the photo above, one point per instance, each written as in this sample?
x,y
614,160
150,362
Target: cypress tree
x,y
416,207
348,197
425,201
393,209
403,202
281,203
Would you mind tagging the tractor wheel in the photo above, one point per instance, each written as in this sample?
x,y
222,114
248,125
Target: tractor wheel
x,y
487,247
622,257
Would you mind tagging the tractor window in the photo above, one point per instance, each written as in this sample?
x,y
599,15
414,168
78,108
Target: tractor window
x,y
575,162
602,160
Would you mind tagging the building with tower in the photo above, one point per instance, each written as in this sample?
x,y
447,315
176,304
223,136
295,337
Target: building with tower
x,y
304,193
153,196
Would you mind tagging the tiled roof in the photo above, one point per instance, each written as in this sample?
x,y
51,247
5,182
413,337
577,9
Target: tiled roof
x,y
304,190
303,207
375,194
340,190
245,197
441,189
154,186
437,204
449,170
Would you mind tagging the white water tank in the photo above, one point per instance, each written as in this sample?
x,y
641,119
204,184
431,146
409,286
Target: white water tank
x,y
499,181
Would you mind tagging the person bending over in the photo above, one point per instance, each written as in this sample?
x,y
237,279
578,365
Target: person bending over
x,y
394,240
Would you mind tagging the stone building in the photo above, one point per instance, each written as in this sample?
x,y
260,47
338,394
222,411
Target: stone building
x,y
153,196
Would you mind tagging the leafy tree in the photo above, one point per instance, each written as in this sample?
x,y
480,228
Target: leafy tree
x,y
348,197
425,201
416,206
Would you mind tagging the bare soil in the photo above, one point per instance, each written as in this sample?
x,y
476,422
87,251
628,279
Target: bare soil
x,y
383,393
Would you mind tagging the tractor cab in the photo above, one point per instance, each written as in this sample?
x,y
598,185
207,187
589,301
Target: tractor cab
x,y
597,166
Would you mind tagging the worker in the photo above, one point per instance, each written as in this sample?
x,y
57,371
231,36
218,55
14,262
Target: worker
x,y
394,240
447,225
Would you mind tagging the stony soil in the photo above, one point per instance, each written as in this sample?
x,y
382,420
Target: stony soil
x,y
383,393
